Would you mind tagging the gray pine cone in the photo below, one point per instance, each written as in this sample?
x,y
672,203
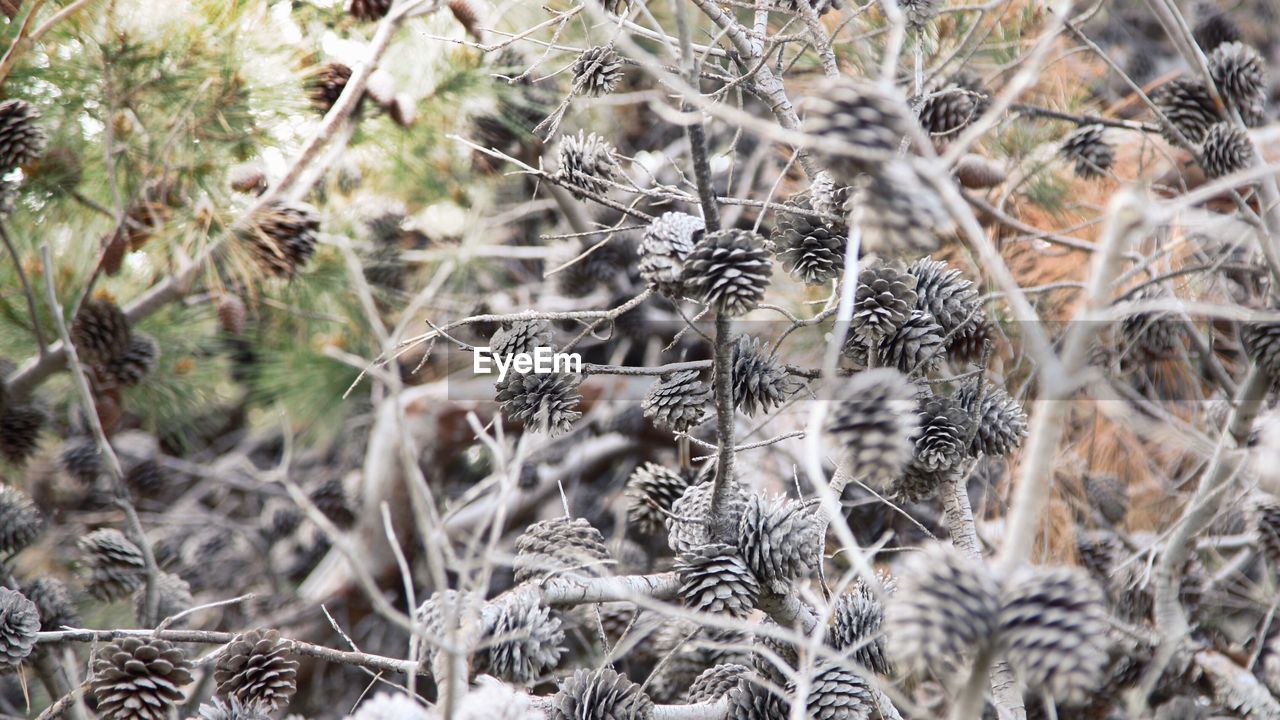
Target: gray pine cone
x,y
689,651
715,682
715,579
1188,106
856,628
729,270
392,706
827,197
1108,494
918,483
1241,76
1261,343
1054,627
875,420
780,540
868,116
138,679
20,520
1153,334
753,699
918,12
901,215
137,362
522,640
945,430
597,71
451,613
652,490
883,301
20,427
173,597
1226,149
687,529
1002,423
54,602
541,401
948,108
116,567
677,401
588,164
281,236
946,294
79,458
600,695
1215,29
256,669
521,336
21,139
100,332
915,348
666,244
809,248
837,693
760,383
947,607
19,623
1088,148
561,546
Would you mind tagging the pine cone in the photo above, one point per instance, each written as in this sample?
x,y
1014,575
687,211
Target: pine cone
x,y
946,294
116,564
137,362
1267,525
918,482
541,401
520,337
522,642
20,520
53,601
587,164
946,607
714,579
1261,343
281,236
279,519
902,216
677,401
666,243
856,621
780,540
826,197
368,10
450,612
491,699
597,71
328,84
1241,76
247,177
595,265
19,623
617,7
1214,30
875,420
948,108
1108,494
687,529
100,332
219,709
915,348
883,301
686,652
1226,149
862,114
836,693
21,139
561,546
232,314
752,699
79,458
600,695
760,383
20,427
173,596
1088,148
652,490
729,270
1152,334
138,679
969,345
256,669
392,706
331,499
1098,551
1002,423
810,249
1188,106
715,682
918,12
945,430
1054,628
